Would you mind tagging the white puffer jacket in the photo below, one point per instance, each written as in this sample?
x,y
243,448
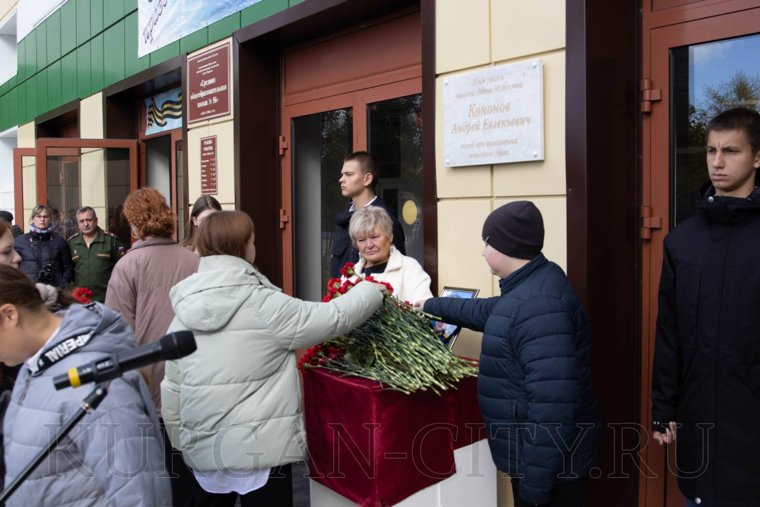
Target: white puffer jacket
x,y
235,403
409,280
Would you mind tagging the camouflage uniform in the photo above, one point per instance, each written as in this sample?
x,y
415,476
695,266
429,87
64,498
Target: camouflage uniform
x,y
93,265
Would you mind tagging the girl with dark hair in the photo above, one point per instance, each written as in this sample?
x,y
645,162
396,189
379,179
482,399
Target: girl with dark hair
x,y
202,207
234,406
114,456
45,255
8,255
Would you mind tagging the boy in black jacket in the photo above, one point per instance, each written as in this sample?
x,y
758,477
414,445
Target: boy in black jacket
x,y
534,385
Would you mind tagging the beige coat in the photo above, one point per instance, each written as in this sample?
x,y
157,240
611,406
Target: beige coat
x,y
235,403
139,291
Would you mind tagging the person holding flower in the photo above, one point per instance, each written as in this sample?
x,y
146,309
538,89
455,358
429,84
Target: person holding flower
x,y
371,232
234,406
535,364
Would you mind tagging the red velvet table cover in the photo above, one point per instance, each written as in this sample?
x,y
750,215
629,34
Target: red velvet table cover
x,y
377,447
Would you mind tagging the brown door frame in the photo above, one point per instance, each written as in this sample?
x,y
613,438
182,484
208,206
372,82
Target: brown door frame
x,y
175,136
358,100
662,31
44,144
18,182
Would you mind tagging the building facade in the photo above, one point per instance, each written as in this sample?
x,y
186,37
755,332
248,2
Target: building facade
x,y
258,108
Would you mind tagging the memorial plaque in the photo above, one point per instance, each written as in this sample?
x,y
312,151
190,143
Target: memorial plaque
x,y
208,80
495,116
208,165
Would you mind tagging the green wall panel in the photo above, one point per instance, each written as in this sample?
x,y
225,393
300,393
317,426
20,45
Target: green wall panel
x,y
165,53
54,85
31,98
21,60
69,78
41,35
87,45
261,10
113,11
224,27
132,64
114,53
96,16
31,55
96,57
195,40
20,113
68,27
42,93
84,30
53,26
84,70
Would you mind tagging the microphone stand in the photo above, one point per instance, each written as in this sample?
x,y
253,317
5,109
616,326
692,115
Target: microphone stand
x,y
89,404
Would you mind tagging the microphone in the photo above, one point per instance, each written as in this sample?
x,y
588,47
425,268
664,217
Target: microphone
x,y
171,346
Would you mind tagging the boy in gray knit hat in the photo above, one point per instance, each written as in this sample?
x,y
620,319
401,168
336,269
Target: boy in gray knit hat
x,y
534,386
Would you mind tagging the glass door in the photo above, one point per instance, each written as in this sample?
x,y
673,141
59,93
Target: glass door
x,y
385,120
701,67
70,173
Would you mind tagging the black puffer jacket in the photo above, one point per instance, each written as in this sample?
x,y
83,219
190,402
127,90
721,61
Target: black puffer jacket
x,y
343,250
534,386
40,251
706,373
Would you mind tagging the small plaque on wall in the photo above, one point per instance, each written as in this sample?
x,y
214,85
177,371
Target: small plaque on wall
x,y
495,116
208,80
208,165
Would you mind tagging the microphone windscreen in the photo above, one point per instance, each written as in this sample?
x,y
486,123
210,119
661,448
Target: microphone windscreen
x,y
178,344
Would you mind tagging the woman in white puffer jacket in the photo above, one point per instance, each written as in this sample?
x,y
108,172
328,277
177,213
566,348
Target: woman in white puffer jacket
x,y
234,406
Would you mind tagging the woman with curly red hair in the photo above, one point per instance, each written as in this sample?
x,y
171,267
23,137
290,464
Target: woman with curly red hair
x,y
141,280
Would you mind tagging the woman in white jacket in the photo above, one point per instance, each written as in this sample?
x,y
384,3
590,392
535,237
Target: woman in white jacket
x,y
371,231
234,406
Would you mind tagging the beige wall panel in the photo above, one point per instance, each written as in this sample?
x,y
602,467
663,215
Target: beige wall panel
x,y
29,175
546,177
6,6
460,263
522,28
470,181
553,209
225,161
93,185
91,117
461,34
27,137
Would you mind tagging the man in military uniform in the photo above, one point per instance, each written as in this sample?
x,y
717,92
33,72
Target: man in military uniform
x,y
94,253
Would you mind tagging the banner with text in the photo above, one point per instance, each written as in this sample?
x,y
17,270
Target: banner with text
x,y
495,116
161,22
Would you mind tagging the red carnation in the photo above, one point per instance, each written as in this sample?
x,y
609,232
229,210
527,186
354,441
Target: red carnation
x,y
348,270
81,295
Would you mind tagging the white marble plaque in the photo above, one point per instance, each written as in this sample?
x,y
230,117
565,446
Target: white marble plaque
x,y
494,116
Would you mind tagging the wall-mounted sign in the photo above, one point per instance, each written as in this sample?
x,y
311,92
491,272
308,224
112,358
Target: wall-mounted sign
x,y
208,165
208,84
495,116
162,22
163,111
